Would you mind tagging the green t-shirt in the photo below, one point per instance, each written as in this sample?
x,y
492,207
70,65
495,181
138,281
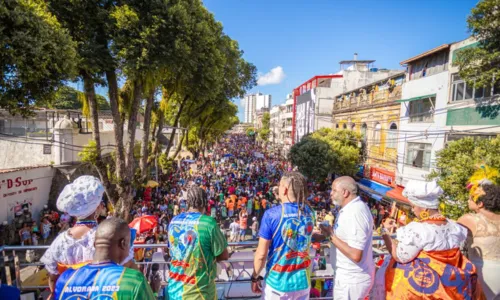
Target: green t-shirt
x,y
195,241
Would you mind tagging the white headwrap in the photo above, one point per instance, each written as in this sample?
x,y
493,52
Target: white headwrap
x,y
82,197
423,194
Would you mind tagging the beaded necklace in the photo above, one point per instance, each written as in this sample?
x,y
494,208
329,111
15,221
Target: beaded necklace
x,y
434,218
86,223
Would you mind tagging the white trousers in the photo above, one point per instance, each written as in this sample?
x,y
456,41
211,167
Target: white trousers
x,y
271,294
351,291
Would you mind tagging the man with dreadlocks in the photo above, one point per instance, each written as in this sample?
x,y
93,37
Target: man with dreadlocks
x,y
285,239
196,244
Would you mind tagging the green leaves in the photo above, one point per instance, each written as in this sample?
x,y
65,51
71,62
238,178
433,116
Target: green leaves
x,y
481,65
36,56
456,163
327,151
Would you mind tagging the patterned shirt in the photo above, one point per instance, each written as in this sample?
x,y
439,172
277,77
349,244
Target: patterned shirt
x,y
290,234
195,241
103,281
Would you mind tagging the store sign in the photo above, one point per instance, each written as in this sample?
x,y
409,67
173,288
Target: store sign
x,y
13,186
383,176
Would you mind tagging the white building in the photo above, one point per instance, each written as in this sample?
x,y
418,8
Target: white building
x,y
262,101
52,137
437,107
252,103
314,99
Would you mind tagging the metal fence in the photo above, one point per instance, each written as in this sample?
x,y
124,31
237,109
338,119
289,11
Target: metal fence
x,y
235,272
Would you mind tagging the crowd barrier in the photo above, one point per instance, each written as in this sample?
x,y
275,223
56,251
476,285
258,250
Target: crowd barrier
x,y
233,275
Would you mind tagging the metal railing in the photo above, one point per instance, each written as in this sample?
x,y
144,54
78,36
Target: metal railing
x,y
230,278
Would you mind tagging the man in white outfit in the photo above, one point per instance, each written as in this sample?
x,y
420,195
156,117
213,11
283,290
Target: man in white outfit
x,y
351,238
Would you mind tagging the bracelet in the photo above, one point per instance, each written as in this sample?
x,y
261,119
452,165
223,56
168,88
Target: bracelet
x,y
384,231
256,279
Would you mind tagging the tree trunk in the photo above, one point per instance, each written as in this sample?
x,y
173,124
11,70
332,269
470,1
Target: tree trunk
x,y
117,125
145,138
125,193
177,117
179,147
156,146
89,90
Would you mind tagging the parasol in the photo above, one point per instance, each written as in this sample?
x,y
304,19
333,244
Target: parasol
x,y
152,184
143,224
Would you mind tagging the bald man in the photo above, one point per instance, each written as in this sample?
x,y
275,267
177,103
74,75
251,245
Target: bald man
x,y
351,238
104,278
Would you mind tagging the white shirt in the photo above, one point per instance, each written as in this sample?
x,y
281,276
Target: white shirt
x,y
355,227
416,236
235,228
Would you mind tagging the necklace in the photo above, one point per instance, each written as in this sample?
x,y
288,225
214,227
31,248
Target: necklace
x,y
433,218
86,223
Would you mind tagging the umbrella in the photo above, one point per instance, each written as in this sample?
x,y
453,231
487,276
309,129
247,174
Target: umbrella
x,y
189,161
143,224
228,155
152,184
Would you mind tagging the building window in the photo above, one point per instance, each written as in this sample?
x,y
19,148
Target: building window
x,y
337,126
422,110
460,90
363,130
376,134
353,126
418,155
344,126
392,136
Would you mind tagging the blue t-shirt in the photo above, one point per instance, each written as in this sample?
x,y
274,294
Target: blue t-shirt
x,y
288,259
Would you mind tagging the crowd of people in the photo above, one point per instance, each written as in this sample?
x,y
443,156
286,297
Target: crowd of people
x,y
239,192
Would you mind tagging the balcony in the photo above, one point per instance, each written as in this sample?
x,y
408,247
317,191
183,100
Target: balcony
x,y
362,100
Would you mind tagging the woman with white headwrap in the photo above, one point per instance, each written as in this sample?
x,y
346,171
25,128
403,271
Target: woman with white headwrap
x,y
425,260
75,246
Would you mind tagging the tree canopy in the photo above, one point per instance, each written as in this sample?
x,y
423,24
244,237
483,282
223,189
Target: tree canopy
x,y
455,165
480,66
327,151
264,131
36,56
67,97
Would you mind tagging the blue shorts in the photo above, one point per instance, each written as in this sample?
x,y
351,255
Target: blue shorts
x,y
243,232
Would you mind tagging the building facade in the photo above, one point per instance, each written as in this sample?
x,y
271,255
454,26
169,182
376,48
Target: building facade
x,y
314,99
253,103
423,113
372,111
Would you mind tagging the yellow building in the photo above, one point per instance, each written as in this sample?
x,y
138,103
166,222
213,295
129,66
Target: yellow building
x,y
372,111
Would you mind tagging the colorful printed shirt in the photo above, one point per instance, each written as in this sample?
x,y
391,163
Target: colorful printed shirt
x,y
288,259
195,241
103,281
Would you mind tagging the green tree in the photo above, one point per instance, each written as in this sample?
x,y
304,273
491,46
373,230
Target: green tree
x,y
36,57
455,165
250,131
264,132
314,157
341,157
67,97
480,65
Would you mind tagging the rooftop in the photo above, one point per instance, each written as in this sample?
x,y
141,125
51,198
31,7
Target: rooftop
x,y
356,62
3,171
426,53
374,83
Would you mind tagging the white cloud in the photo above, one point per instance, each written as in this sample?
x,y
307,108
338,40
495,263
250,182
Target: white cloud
x,y
275,76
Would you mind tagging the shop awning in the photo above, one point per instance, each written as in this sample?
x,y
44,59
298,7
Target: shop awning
x,y
376,190
416,98
397,194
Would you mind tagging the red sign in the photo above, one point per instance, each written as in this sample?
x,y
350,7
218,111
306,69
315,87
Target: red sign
x,y
383,176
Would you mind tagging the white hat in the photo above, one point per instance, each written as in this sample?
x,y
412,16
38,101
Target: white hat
x,y
254,218
82,197
423,194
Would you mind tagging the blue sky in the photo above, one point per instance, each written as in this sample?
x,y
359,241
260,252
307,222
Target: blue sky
x,y
309,37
